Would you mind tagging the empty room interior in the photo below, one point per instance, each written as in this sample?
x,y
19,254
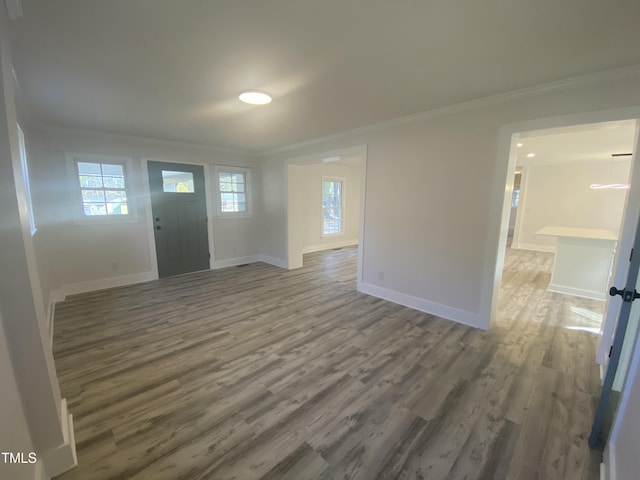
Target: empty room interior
x,y
319,240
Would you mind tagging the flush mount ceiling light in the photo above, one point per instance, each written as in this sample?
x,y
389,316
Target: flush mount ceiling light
x,y
254,97
531,155
519,144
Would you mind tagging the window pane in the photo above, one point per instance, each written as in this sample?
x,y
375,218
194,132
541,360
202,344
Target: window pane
x,y
114,182
332,207
93,196
177,182
85,168
117,209
112,169
242,207
116,196
95,209
226,187
90,181
225,177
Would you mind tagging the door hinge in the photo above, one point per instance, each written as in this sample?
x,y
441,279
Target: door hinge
x,y
631,255
610,350
209,256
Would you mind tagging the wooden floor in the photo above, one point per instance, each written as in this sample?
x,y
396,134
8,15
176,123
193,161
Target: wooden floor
x,y
255,372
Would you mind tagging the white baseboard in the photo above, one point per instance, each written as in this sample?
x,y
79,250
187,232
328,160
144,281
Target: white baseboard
x,y
62,458
577,292
278,262
329,246
109,282
534,247
232,262
450,313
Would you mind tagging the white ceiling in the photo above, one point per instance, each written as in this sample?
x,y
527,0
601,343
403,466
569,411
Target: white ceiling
x,y
582,143
173,69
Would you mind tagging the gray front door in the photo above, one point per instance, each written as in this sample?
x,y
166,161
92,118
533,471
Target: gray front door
x,y
178,203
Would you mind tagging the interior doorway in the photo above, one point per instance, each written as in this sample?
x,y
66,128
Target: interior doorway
x,y
619,177
325,199
178,205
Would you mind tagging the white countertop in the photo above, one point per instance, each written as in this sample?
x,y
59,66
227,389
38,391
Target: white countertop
x,y
589,233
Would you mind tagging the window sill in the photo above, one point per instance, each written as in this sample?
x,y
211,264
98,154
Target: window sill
x,y
234,215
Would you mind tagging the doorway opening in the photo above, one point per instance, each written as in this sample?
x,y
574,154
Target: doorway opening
x,y
325,199
575,220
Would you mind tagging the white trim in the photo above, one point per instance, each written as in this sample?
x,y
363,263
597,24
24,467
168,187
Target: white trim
x,y
109,282
40,473
63,457
232,262
577,292
55,296
278,262
608,75
329,246
449,313
148,216
534,247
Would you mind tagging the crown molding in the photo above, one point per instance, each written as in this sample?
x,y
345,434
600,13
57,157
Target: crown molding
x,y
609,75
47,127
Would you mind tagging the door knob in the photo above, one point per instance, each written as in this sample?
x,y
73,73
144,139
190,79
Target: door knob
x,y
627,295
158,227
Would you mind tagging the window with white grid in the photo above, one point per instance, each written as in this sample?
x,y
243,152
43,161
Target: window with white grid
x,y
233,191
332,206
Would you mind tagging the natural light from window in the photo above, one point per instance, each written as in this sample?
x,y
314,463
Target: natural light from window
x,y
332,206
103,188
233,193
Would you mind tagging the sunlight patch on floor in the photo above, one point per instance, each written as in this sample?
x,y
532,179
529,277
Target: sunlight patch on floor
x,y
584,319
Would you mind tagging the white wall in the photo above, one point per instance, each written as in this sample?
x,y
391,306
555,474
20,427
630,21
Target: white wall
x,y
66,251
435,246
29,383
308,197
14,434
560,195
273,232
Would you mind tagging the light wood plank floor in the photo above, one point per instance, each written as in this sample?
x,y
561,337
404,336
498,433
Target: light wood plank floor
x,y
255,372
